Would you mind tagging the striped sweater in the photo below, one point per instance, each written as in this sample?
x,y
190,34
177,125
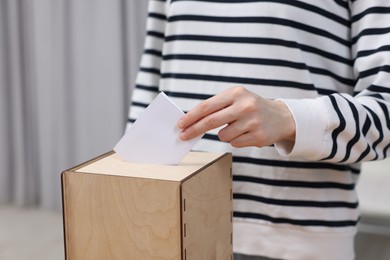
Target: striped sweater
x,y
328,61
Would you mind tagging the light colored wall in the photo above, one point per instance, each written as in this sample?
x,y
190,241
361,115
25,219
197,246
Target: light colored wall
x,y
66,73
373,238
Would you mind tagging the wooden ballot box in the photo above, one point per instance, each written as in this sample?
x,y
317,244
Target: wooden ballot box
x,y
114,209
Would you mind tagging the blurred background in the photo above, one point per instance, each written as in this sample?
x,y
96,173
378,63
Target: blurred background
x,y
67,68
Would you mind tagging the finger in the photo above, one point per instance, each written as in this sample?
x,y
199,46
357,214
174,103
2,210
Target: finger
x,y
244,140
251,139
232,131
212,121
204,109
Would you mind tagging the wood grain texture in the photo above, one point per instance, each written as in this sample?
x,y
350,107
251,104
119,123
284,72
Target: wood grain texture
x,y
111,217
112,164
207,213
118,210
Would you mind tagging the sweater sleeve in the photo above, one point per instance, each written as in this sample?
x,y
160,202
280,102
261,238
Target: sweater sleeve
x,y
148,77
343,128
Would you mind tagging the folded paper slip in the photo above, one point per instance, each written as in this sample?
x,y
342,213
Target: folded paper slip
x,y
154,136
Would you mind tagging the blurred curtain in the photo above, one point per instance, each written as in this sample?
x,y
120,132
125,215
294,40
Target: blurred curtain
x,y
66,72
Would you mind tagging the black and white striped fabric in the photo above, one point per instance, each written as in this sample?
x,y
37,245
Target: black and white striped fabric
x,y
329,61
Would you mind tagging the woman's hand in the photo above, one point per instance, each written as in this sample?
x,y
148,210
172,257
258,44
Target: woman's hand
x,y
250,119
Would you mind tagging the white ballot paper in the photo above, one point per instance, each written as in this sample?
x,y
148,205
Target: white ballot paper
x,y
154,136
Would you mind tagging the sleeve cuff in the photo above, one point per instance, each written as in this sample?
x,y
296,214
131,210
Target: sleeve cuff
x,y
311,123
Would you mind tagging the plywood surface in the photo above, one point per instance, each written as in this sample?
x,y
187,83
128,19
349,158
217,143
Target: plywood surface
x,y
119,210
207,213
111,217
113,165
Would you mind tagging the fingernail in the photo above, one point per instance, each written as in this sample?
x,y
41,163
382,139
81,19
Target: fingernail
x,y
180,124
182,136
